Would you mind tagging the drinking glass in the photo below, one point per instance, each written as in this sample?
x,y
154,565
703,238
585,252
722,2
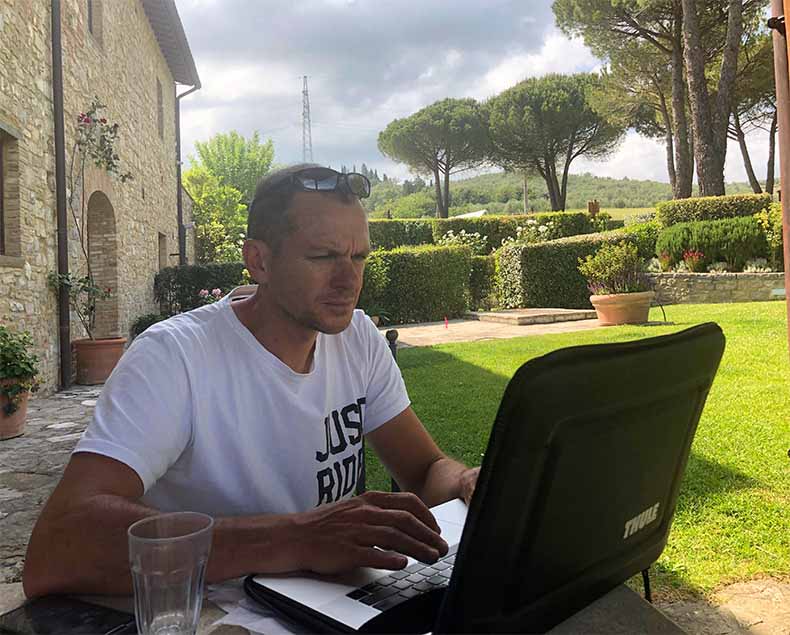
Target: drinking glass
x,y
168,554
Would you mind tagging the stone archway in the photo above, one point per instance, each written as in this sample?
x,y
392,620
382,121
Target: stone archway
x,y
103,254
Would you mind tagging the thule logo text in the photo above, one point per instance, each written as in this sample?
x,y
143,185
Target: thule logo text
x,y
640,521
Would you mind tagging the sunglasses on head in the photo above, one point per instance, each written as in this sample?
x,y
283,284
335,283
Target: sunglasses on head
x,y
329,180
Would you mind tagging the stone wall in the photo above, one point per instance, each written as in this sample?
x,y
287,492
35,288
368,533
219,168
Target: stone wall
x,y
689,288
120,63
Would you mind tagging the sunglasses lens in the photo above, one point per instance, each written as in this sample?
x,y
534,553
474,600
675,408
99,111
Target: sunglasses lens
x,y
358,184
318,179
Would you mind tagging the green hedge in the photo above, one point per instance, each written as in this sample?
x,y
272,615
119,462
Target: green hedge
x,y
497,228
143,322
547,275
711,208
176,288
417,284
389,234
482,282
730,240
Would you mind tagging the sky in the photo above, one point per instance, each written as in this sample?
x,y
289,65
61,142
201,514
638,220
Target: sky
x,y
371,61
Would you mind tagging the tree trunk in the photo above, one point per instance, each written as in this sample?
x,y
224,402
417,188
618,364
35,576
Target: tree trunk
x,y
446,211
550,177
684,164
769,177
554,188
709,172
526,193
727,76
438,186
747,161
668,141
566,167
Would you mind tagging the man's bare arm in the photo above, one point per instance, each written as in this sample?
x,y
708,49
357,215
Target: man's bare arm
x,y
418,465
79,544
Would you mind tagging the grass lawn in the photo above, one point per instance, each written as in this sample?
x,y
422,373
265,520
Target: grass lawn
x,y
733,516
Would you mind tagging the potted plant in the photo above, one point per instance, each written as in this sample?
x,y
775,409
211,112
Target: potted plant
x,y
94,145
18,378
620,289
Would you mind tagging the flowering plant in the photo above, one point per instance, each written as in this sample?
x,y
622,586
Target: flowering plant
x,y
95,143
531,232
473,240
693,259
615,269
83,294
209,297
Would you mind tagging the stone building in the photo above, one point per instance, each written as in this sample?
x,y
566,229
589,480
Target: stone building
x,y
131,55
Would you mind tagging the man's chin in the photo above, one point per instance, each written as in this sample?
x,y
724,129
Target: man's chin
x,y
333,323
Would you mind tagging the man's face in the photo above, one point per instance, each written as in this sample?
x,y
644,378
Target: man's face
x,y
316,275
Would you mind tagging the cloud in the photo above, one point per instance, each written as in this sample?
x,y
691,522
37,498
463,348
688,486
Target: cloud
x,y
369,62
558,54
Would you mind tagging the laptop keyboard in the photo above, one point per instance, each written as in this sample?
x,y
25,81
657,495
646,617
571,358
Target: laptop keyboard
x,y
399,586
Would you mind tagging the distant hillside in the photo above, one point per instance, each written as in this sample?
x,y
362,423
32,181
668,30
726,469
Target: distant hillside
x,y
502,193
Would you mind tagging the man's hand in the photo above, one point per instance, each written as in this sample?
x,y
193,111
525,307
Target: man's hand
x,y
468,482
365,531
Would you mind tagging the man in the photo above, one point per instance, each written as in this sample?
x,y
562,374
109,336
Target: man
x,y
253,411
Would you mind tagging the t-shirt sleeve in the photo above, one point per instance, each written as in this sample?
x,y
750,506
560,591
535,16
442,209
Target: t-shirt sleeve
x,y
143,416
386,394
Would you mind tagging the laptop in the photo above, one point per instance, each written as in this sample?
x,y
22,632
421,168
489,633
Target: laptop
x,y
576,494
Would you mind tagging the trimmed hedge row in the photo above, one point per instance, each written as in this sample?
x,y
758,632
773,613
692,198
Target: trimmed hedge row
x,y
730,240
546,274
176,288
711,208
417,284
497,228
481,282
389,234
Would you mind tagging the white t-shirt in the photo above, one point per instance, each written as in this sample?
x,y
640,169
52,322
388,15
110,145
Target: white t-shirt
x,y
213,422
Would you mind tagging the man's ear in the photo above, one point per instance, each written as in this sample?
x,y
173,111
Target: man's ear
x,y
257,258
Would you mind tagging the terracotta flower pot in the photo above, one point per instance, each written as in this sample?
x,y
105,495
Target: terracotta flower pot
x,y
13,425
622,308
97,358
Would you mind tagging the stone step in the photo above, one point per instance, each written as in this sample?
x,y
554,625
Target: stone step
x,y
522,317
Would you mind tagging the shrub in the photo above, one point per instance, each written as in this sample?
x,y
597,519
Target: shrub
x,y
643,235
418,284
374,284
771,223
18,367
499,228
476,243
711,208
143,322
389,234
730,240
177,288
615,268
482,282
546,274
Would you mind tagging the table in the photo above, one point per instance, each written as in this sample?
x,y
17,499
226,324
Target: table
x,y
619,612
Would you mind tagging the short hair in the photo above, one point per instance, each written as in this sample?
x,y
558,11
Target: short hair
x,y
267,216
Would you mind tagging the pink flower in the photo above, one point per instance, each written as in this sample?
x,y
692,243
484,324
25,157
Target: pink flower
x,y
203,293
217,293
